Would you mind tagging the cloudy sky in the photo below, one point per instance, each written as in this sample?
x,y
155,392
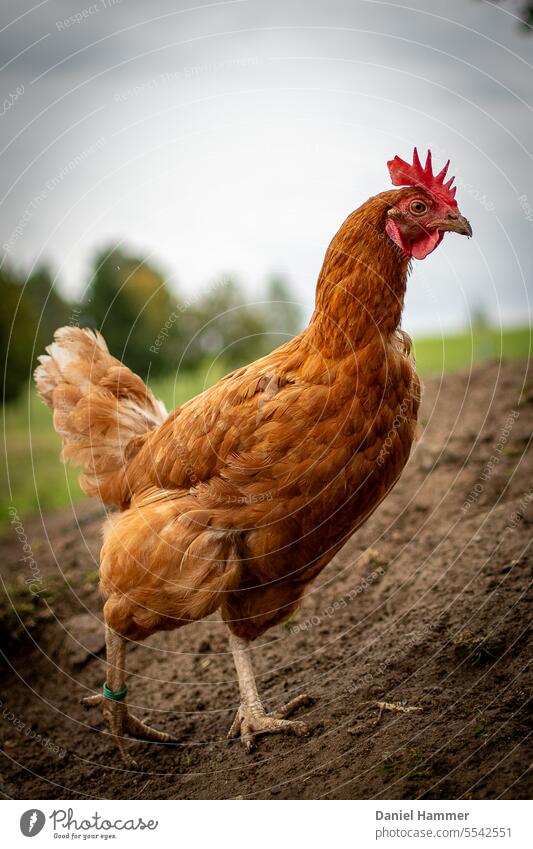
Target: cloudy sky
x,y
234,137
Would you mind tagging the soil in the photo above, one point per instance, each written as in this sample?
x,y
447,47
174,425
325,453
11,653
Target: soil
x,y
414,643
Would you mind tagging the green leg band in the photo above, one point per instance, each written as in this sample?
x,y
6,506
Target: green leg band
x,y
114,697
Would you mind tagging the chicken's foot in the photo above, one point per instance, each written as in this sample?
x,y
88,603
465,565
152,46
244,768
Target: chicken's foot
x,y
115,711
251,719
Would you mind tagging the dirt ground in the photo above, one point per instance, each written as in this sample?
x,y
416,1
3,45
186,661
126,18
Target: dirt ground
x,y
426,608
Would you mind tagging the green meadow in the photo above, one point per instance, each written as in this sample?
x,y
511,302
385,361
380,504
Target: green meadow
x,y
32,478
441,355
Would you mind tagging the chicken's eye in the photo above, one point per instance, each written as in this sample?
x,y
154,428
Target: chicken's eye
x,y
418,207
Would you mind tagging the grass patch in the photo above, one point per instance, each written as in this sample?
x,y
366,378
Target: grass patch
x,y
20,611
420,765
32,478
90,579
462,351
478,649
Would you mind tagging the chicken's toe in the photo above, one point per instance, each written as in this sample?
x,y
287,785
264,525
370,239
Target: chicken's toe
x,y
285,710
136,728
251,721
90,701
121,722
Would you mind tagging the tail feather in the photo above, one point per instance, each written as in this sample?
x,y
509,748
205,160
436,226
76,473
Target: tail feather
x,y
101,409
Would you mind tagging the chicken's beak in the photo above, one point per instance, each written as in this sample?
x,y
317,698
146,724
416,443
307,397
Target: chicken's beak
x,y
455,223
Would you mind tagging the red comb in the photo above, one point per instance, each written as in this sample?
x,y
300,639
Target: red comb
x,y
403,174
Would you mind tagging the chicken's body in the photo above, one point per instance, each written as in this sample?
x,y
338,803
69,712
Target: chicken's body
x,y
239,498
251,488
279,483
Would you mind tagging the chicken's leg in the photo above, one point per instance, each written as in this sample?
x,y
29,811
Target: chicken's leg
x,y
114,708
251,718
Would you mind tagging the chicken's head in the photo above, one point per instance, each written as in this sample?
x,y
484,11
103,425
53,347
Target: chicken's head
x,y
416,223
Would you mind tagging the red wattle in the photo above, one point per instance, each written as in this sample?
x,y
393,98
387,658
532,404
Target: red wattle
x,y
423,246
419,248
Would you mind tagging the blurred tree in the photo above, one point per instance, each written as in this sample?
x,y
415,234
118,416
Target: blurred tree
x,y
52,310
524,10
479,314
129,302
284,314
18,323
31,311
222,324
526,14
218,323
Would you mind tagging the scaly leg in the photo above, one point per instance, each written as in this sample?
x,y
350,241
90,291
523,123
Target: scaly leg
x,y
118,717
251,718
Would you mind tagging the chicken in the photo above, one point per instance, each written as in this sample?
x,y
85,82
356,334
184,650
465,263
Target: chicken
x,y
237,500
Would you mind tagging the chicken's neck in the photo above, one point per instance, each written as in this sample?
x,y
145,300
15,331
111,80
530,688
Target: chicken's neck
x,y
361,287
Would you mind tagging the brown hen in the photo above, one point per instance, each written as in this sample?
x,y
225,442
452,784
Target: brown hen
x,y
239,498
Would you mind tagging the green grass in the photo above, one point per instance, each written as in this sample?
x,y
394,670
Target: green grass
x,y
21,609
33,478
477,648
462,351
